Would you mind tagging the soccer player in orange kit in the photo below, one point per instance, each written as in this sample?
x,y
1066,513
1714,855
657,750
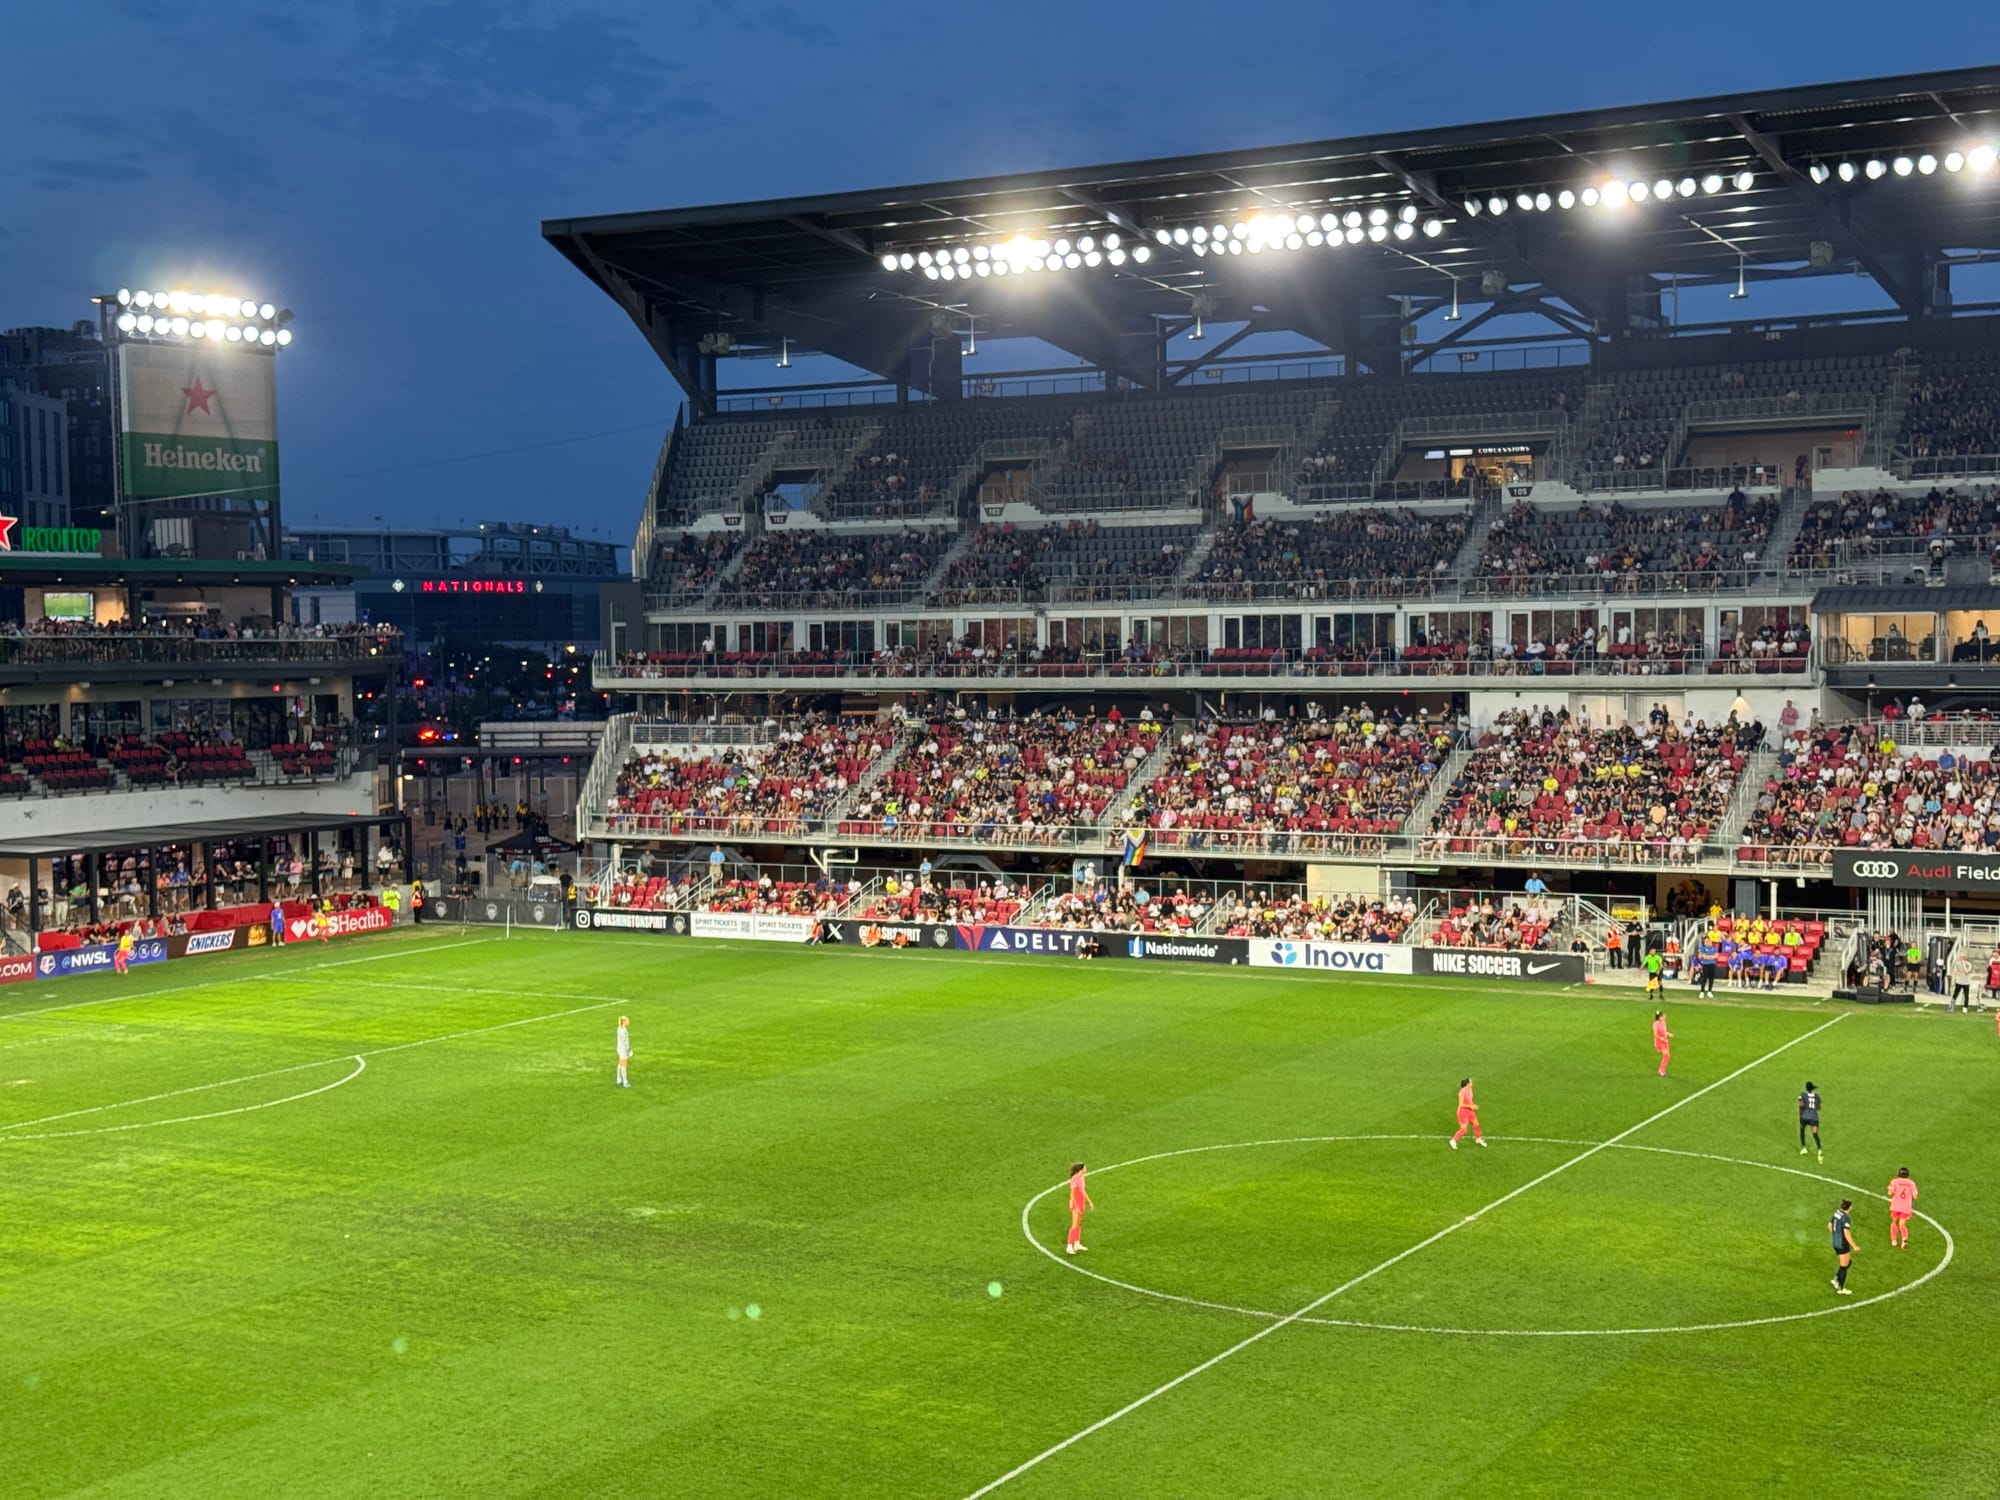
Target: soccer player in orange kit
x,y
1468,1114
1079,1200
1663,1040
1902,1203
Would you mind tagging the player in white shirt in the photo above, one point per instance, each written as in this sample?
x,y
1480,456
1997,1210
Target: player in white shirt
x,y
624,1050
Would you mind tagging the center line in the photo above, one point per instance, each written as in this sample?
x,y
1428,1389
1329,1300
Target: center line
x,y
1397,1259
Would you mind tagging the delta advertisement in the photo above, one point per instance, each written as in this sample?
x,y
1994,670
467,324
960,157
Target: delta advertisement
x,y
199,418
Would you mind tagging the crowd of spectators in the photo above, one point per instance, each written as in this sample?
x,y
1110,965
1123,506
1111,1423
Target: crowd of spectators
x,y
1853,786
1334,554
994,902
1952,414
827,570
1548,782
694,561
1006,564
775,788
1004,779
1529,549
1327,919
1516,925
1327,784
1934,524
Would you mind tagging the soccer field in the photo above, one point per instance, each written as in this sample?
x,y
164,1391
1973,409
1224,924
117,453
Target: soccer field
x,y
372,1219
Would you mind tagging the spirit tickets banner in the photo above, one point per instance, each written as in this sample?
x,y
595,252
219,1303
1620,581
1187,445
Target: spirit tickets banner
x,y
197,419
1477,963
757,927
1331,958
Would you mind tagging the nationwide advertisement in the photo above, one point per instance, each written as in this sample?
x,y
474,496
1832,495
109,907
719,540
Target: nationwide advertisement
x,y
14,970
1178,948
1916,870
198,418
1331,958
1479,963
98,958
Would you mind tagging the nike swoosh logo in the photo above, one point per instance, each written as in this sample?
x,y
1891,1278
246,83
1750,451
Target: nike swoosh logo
x,y
1542,968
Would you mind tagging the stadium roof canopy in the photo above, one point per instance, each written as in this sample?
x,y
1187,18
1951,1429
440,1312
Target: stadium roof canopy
x,y
811,271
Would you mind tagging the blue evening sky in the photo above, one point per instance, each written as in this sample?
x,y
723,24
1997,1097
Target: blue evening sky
x,y
383,167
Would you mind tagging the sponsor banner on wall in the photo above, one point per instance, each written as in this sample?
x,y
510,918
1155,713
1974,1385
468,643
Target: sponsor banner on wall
x,y
1915,870
194,944
1060,941
610,919
1183,948
757,927
342,923
199,418
14,970
494,911
1477,963
98,958
1331,958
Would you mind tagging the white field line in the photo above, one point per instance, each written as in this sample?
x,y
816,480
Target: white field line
x,y
360,1067
8,1132
1070,1263
1397,1259
139,996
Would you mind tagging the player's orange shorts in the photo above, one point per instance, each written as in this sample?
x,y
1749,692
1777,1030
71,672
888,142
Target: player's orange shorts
x,y
1467,1116
1898,1218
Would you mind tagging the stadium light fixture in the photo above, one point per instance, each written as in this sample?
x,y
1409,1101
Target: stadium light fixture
x,y
1846,171
1927,164
1980,158
1742,290
1819,172
1954,161
784,352
1433,228
1902,166
1876,169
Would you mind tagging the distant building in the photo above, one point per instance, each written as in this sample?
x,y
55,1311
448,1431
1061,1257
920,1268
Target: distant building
x,y
503,582
34,460
72,367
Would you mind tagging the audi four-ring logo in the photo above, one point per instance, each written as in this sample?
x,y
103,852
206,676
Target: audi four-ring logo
x,y
1876,869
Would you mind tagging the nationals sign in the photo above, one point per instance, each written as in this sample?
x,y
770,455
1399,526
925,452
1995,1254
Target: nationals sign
x,y
1915,870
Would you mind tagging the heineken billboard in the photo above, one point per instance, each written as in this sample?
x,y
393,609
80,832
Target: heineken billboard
x,y
199,418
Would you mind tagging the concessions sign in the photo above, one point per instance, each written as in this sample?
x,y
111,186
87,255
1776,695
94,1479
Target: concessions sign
x,y
1915,870
1332,958
1480,963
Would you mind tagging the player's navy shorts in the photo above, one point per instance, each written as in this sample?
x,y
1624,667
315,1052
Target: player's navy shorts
x,y
1809,1117
1842,1247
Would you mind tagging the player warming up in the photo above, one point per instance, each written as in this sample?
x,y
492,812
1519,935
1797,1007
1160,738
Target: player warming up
x,y
122,954
1902,1203
1079,1200
1468,1114
1809,1119
1841,1227
624,1050
1663,1040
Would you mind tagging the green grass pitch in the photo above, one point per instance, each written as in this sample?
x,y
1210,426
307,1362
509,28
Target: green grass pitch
x,y
372,1220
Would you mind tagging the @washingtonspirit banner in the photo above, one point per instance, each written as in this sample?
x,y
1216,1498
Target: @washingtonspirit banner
x,y
198,419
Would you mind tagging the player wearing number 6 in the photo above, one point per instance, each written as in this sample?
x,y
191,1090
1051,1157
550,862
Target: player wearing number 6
x,y
1902,1203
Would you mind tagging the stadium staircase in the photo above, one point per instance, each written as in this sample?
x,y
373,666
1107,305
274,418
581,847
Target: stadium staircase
x,y
879,767
1190,566
961,544
1419,821
1465,563
726,574
1117,812
1758,767
1777,548
593,794
1054,461
838,460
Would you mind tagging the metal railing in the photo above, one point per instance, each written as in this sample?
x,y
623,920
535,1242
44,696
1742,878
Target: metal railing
x,y
1280,671
1907,465
1719,411
110,649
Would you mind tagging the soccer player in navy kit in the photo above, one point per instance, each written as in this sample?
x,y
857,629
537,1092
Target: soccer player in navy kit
x,y
1809,1119
1842,1230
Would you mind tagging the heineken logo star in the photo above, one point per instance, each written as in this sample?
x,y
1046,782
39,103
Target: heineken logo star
x,y
198,396
7,524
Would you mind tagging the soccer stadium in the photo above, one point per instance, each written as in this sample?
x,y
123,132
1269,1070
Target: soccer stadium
x,y
1266,825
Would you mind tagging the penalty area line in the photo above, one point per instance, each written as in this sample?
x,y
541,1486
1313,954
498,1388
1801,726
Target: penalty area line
x,y
1395,1260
